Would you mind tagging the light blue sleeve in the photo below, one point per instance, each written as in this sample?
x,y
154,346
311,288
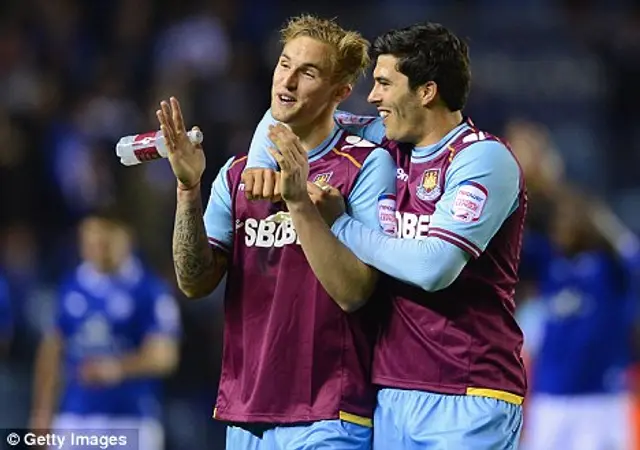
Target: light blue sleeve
x,y
481,191
435,262
259,155
430,263
372,199
370,128
218,221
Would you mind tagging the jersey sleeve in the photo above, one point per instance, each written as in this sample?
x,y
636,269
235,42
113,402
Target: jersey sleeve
x,y
370,128
259,155
372,200
161,315
481,191
217,216
431,264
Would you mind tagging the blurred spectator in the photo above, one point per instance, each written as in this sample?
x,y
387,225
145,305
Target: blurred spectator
x,y
114,338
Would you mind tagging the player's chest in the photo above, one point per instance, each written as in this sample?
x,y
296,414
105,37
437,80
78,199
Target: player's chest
x,y
419,189
330,172
582,275
110,312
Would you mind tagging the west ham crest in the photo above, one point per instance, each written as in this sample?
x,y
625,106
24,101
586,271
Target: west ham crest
x,y
429,187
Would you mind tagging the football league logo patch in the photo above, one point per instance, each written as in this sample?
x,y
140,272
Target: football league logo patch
x,y
344,118
387,214
469,202
429,187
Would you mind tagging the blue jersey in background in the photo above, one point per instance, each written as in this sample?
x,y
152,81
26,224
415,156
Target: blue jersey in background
x,y
110,316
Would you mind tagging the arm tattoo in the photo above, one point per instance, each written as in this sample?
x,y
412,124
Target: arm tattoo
x,y
192,254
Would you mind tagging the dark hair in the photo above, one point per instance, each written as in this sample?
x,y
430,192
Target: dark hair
x,y
430,52
111,217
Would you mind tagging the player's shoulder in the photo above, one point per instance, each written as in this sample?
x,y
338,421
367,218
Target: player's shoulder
x,y
231,170
71,282
481,148
349,142
236,163
603,264
347,119
356,149
479,140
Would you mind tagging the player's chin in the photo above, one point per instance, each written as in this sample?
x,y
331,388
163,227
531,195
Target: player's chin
x,y
394,134
390,133
281,115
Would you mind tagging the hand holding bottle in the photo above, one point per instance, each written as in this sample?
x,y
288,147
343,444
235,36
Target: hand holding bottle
x,y
186,158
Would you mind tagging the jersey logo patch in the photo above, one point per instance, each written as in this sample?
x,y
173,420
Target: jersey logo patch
x,y
323,177
352,119
387,214
357,141
469,202
429,187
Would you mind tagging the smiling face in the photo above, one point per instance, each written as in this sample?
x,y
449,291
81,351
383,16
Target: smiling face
x,y
303,88
400,107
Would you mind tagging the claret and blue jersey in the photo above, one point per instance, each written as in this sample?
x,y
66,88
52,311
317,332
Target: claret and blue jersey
x,y
464,198
291,355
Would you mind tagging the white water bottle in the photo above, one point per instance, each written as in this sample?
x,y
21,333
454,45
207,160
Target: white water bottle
x,y
149,146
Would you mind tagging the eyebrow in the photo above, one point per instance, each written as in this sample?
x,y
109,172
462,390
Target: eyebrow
x,y
305,65
380,79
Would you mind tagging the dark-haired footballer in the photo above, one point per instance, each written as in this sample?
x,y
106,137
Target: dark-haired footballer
x,y
448,361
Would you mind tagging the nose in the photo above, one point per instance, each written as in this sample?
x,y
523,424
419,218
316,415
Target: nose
x,y
290,80
374,96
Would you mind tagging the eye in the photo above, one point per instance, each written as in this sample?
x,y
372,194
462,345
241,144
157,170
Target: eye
x,y
309,74
284,64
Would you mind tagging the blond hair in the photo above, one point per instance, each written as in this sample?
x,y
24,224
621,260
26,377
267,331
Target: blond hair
x,y
351,51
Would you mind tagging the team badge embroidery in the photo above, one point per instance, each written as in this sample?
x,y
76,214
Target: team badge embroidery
x,y
323,177
429,187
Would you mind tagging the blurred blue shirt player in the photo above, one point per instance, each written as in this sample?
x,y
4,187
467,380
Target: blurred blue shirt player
x,y
114,339
580,335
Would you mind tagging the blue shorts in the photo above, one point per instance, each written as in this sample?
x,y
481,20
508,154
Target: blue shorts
x,y
325,434
415,420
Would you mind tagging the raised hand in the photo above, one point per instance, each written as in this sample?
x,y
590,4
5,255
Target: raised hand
x,y
293,162
187,159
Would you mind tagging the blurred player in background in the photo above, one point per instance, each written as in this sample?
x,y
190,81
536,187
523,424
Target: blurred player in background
x,y
449,358
581,335
296,367
115,337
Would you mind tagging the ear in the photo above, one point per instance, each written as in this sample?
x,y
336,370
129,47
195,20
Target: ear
x,y
343,92
427,93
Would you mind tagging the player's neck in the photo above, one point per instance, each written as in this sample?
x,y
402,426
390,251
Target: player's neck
x,y
438,124
314,134
105,268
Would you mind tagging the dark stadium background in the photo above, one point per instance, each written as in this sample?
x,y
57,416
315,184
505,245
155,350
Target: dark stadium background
x,y
77,75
